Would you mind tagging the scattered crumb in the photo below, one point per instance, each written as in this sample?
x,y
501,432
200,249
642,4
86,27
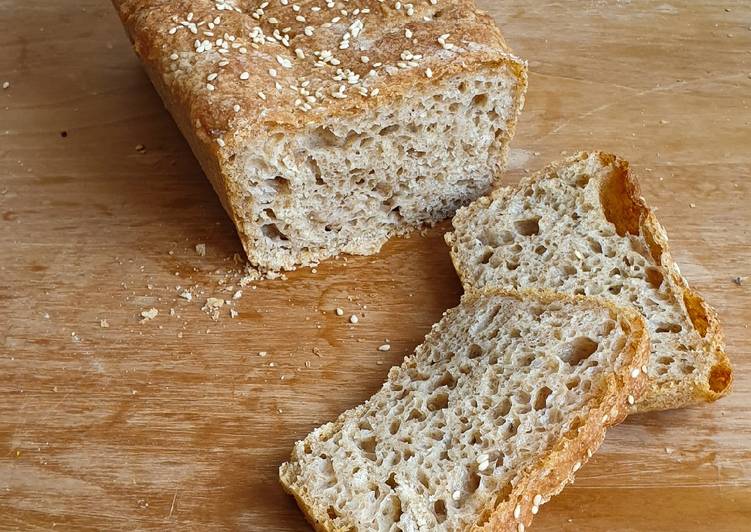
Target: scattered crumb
x,y
46,315
384,347
180,334
669,450
172,312
316,352
692,205
233,313
271,364
6,85
262,353
664,122
150,314
353,319
201,250
339,312
307,363
237,295
140,148
738,280
212,306
186,295
104,323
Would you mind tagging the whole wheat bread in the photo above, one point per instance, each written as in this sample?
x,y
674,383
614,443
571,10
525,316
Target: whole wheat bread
x,y
507,397
327,128
580,226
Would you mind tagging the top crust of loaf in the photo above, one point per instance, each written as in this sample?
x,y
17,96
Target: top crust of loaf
x,y
468,40
514,505
627,210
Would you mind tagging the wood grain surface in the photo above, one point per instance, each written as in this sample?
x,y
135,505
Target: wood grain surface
x,y
178,423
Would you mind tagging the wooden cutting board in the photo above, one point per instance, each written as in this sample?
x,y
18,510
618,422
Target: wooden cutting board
x,y
178,423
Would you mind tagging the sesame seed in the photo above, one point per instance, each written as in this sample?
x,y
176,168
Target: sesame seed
x,y
353,319
210,87
520,527
482,458
365,59
308,30
408,33
535,509
236,108
630,399
577,466
286,63
375,92
483,466
223,63
299,53
300,18
589,453
537,500
433,2
428,73
517,511
272,72
245,75
273,20
644,369
262,96
174,57
212,76
456,495
220,142
605,418
635,373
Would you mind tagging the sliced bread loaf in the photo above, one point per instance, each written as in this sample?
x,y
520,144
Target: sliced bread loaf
x,y
581,227
327,130
507,397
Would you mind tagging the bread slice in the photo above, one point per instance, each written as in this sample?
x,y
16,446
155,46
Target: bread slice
x,y
327,130
492,415
581,227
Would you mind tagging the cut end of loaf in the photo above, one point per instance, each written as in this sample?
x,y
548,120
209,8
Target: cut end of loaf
x,y
493,414
581,227
348,184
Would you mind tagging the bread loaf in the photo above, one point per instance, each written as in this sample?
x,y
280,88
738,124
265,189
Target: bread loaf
x,y
329,126
492,415
581,227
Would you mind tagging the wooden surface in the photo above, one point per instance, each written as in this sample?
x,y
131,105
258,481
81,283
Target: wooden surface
x,y
177,423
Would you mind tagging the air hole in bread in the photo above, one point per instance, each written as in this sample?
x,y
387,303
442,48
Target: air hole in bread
x,y
480,100
388,130
511,266
416,414
439,510
568,270
578,349
654,277
503,408
474,351
595,245
719,378
668,328
617,197
368,446
272,231
473,482
696,312
615,290
582,180
394,426
542,397
540,250
331,512
485,258
323,137
447,380
438,402
528,227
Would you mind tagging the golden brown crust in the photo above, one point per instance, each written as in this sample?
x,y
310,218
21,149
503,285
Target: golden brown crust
x,y
558,466
634,216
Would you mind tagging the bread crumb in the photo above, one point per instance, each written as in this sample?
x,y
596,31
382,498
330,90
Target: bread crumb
x,y
201,250
237,295
186,295
384,347
262,353
353,319
339,312
233,313
104,323
692,205
669,450
738,280
140,148
150,314
6,85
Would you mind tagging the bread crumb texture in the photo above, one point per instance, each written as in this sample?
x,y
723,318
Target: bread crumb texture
x,y
488,419
327,127
581,227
